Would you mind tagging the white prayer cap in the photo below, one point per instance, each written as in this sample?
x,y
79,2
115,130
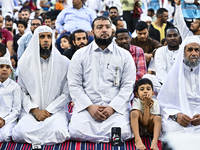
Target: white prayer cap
x,y
146,18
5,61
8,14
192,39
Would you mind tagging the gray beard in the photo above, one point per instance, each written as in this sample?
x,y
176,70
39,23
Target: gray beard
x,y
191,64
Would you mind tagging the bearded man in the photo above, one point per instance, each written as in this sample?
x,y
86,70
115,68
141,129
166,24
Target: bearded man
x,y
43,79
179,97
101,78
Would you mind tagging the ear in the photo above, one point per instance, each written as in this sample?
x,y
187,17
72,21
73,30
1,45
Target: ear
x,y
116,41
92,32
73,42
153,93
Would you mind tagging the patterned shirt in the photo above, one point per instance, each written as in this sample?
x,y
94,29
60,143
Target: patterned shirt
x,y
140,63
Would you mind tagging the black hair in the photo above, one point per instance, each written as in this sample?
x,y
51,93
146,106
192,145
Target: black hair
x,y
141,25
160,12
173,27
53,18
26,10
72,36
151,10
37,19
23,22
8,19
121,30
0,35
47,17
65,36
99,18
116,20
2,49
113,7
143,81
163,41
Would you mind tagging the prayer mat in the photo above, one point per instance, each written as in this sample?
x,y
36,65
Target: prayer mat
x,y
73,145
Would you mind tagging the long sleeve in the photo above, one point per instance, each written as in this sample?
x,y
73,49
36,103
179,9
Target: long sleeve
x,y
27,102
16,106
180,23
127,83
60,21
75,78
61,100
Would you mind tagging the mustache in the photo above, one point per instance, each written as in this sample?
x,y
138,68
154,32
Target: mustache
x,y
105,33
193,57
82,44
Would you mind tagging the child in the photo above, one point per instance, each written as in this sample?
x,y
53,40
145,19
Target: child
x,y
10,100
146,113
21,26
64,42
59,5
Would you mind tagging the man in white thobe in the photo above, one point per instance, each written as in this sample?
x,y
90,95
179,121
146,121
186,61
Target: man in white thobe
x,y
43,78
179,22
101,78
179,97
165,56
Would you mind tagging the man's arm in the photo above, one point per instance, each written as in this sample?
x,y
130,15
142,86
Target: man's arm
x,y
43,5
120,102
60,21
179,21
9,44
140,64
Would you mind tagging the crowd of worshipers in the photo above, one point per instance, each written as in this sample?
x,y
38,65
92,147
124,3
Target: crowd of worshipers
x,y
140,80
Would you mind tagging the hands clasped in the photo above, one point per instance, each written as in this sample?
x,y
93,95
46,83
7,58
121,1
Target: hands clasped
x,y
185,120
2,122
100,113
147,101
39,114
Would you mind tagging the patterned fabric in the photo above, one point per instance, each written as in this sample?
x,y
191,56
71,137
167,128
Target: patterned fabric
x,y
72,145
140,63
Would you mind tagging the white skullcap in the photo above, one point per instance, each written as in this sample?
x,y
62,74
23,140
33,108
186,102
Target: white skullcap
x,y
5,61
192,39
146,18
8,14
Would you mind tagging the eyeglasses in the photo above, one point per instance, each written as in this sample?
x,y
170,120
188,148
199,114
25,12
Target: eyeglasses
x,y
35,24
113,12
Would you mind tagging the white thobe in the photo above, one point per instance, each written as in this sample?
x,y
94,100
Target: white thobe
x,y
179,22
10,105
164,59
52,130
91,81
193,96
7,6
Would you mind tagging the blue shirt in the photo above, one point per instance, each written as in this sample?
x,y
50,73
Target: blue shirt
x,y
190,10
74,19
23,43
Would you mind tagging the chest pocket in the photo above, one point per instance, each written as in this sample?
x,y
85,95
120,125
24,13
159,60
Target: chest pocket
x,y
112,73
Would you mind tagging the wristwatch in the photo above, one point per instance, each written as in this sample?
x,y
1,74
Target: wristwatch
x,y
174,117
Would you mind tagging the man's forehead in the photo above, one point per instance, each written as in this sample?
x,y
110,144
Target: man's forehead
x,y
102,22
113,10
123,34
1,18
172,31
80,34
192,45
36,21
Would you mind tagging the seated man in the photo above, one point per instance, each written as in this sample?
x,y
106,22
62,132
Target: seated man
x,y
179,97
165,56
123,40
101,78
43,79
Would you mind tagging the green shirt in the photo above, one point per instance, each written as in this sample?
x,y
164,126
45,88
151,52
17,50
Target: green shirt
x,y
127,5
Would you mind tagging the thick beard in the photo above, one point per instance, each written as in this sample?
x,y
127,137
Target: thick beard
x,y
191,64
45,51
103,42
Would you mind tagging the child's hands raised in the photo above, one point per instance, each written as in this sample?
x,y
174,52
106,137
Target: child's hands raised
x,y
147,101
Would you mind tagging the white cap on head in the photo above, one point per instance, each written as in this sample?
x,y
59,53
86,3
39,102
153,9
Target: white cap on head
x,y
192,40
5,61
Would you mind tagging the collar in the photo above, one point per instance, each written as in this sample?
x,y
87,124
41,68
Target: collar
x,y
96,47
6,82
188,68
83,6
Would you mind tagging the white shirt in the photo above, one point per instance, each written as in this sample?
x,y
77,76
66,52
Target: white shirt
x,y
164,59
10,100
138,104
91,77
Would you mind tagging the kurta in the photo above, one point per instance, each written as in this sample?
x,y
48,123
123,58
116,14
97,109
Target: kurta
x,y
91,81
164,59
10,106
44,86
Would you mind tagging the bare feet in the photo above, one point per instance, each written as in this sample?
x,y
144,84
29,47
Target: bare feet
x,y
139,145
154,145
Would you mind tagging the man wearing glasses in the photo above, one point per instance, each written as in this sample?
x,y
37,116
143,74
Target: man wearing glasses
x,y
25,39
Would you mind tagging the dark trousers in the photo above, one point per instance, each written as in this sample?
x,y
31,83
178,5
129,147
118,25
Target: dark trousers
x,y
130,20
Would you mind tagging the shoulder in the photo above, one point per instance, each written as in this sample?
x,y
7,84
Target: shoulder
x,y
169,24
14,85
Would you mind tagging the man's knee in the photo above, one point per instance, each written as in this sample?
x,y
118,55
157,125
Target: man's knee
x,y
18,135
157,119
5,135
